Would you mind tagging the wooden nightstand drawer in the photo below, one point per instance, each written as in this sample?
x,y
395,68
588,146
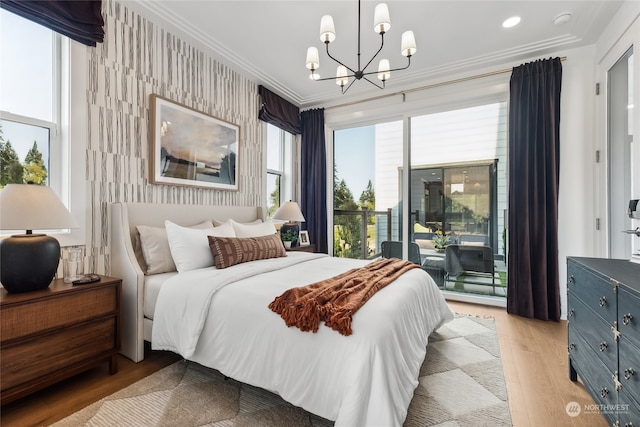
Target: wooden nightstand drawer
x,y
54,333
27,318
307,248
51,353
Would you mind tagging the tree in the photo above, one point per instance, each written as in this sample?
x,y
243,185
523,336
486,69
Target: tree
x,y
368,197
34,169
11,170
347,234
274,198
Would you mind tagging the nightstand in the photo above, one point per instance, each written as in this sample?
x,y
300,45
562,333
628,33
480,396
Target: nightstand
x,y
49,335
308,248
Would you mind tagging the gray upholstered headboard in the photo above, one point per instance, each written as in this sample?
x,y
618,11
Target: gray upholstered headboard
x,y
126,265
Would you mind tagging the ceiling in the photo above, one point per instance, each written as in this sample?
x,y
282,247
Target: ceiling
x,y
268,40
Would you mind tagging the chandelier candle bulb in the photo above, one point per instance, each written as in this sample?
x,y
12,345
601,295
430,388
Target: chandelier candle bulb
x,y
327,29
313,59
408,43
383,70
341,75
381,20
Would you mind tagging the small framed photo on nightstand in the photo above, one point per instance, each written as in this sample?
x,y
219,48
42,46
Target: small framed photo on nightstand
x,y
304,238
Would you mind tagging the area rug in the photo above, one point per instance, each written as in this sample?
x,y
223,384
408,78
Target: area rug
x,y
461,384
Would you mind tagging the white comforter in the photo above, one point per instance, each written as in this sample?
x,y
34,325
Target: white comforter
x,y
221,319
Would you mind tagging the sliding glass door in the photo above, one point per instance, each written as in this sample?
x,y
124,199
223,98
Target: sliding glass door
x,y
458,197
366,198
456,191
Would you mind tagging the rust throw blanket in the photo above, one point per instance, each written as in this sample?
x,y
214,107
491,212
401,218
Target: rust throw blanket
x,y
335,300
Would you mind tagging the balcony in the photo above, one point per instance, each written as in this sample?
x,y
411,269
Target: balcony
x,y
359,234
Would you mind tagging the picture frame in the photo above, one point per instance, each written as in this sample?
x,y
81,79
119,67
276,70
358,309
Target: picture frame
x,y
304,238
190,148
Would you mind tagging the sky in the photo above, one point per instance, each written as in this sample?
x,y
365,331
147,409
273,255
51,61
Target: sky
x,y
354,153
26,90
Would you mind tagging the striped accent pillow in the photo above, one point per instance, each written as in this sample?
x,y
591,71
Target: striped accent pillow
x,y
228,251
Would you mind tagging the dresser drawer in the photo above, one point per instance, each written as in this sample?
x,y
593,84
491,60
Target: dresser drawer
x,y
596,333
597,377
628,410
629,315
595,291
49,354
629,368
48,313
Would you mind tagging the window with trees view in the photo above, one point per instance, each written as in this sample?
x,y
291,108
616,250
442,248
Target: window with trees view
x,y
29,112
279,168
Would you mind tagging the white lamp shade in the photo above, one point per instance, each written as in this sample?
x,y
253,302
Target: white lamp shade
x,y
383,69
313,59
327,29
381,20
32,207
341,75
289,211
408,46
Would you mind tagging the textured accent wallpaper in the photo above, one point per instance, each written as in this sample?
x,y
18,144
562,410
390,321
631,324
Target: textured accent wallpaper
x,y
139,58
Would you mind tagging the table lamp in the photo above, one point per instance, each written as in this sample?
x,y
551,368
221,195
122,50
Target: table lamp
x,y
28,262
290,212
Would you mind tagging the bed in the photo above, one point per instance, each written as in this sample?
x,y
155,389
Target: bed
x,y
220,318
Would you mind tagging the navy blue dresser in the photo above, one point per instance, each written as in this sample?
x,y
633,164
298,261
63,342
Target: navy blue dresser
x,y
603,310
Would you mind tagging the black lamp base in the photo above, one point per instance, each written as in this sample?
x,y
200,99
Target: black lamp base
x,y
28,262
294,228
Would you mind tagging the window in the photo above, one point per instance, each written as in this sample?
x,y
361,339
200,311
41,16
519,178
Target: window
x,y
279,168
29,102
39,141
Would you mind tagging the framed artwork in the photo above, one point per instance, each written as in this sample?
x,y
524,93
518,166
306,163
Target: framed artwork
x,y
304,238
188,147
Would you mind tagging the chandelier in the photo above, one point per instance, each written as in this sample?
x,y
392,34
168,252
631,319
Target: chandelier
x,y
381,24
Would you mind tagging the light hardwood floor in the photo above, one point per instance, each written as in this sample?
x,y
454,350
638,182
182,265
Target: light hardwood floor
x,y
534,358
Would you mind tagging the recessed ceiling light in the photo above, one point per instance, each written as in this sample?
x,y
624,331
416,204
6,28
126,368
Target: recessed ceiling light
x,y
511,22
563,18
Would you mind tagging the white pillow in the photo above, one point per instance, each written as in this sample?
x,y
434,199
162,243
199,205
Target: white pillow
x,y
155,248
190,247
217,223
253,230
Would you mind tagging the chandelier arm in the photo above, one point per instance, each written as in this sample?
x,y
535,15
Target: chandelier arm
x,y
346,66
373,83
374,56
350,84
393,69
332,78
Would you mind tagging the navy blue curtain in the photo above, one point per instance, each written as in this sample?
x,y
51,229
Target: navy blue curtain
x,y
534,170
79,20
278,111
313,165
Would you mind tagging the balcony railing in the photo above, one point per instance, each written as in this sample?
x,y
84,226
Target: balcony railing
x,y
356,227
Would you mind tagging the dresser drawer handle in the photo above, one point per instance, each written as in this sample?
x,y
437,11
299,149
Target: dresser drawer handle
x,y
604,392
602,301
628,373
603,346
571,313
626,319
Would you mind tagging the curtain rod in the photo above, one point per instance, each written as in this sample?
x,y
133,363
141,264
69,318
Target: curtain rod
x,y
431,86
